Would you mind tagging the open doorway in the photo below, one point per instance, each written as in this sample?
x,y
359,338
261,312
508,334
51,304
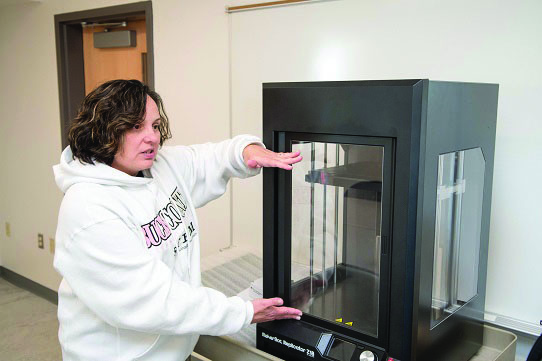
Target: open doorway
x,y
83,64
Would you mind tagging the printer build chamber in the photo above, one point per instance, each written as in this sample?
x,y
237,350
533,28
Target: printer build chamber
x,y
380,234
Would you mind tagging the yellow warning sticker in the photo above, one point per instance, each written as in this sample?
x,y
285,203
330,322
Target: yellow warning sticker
x,y
349,323
339,320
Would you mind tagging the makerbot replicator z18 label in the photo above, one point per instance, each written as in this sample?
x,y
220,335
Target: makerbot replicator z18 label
x,y
309,353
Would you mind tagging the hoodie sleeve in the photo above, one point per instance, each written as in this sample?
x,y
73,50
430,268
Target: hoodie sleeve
x,y
207,168
110,272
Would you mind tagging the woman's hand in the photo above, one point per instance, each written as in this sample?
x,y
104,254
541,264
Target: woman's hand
x,y
256,156
269,309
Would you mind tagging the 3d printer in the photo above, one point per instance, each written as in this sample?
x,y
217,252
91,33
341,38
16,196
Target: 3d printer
x,y
380,234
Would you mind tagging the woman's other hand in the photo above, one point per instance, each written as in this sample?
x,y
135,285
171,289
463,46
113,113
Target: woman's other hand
x,y
269,309
256,156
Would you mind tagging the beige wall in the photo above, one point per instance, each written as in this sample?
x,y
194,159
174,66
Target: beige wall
x,y
191,67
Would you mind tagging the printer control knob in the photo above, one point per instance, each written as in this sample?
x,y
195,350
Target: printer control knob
x,y
368,356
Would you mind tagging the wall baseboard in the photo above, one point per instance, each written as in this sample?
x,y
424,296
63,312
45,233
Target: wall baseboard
x,y
29,285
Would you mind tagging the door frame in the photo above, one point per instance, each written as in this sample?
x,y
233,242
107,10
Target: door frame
x,y
69,53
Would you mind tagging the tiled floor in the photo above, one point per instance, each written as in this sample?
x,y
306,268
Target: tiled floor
x,y
232,278
28,326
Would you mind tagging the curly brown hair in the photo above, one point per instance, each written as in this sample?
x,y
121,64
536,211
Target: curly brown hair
x,y
106,113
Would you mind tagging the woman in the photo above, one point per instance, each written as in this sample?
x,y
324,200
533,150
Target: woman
x,y
127,236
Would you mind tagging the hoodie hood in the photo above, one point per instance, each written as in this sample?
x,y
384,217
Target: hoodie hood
x,y
71,171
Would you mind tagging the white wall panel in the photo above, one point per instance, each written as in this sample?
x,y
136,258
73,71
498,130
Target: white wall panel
x,y
480,41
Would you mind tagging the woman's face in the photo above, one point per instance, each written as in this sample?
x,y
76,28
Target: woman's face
x,y
140,143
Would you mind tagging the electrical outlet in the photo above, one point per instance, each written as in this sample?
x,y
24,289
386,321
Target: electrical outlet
x,y
52,245
8,229
40,240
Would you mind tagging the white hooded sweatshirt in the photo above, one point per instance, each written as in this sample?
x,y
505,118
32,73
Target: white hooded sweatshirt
x,y
129,253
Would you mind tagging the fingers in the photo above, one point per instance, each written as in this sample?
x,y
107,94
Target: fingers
x,y
290,154
278,162
261,304
293,159
289,158
276,301
283,313
282,165
268,158
279,312
269,309
267,162
264,303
